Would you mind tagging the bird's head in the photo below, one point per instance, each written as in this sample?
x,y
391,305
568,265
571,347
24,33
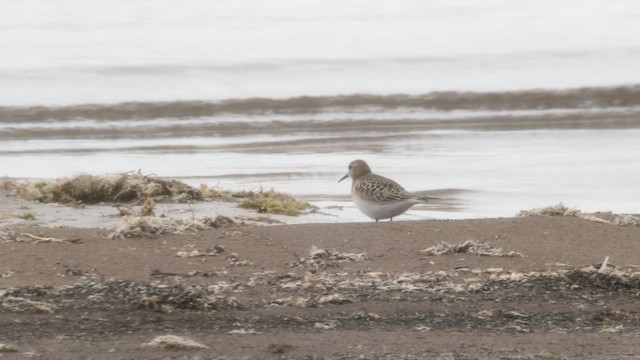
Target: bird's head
x,y
357,168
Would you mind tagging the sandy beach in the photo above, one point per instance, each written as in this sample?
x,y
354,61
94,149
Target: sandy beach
x,y
513,288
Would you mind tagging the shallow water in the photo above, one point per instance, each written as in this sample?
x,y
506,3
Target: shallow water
x,y
247,94
495,154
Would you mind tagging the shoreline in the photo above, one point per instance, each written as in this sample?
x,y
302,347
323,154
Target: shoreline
x,y
104,216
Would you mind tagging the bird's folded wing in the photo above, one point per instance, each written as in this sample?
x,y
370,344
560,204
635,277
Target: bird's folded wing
x,y
383,191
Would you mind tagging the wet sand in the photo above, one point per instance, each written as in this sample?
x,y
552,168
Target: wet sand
x,y
334,291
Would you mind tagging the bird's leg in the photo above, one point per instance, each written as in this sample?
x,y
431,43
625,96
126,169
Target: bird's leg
x,y
376,220
390,219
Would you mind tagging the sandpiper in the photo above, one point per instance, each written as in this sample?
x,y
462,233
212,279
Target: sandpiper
x,y
375,195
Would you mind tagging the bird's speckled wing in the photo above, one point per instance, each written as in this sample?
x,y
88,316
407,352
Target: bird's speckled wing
x,y
379,189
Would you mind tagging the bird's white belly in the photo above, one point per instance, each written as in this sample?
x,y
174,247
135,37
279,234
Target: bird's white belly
x,y
383,211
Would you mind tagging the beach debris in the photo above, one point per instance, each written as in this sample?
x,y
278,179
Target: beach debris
x,y
273,202
264,201
126,190
21,304
603,268
303,302
41,239
626,219
148,207
590,217
93,189
261,219
236,262
149,226
313,301
337,299
218,221
326,325
221,303
243,332
195,273
315,290
233,260
7,348
555,210
317,253
605,218
605,276
7,184
468,247
6,234
173,342
612,329
155,303
483,314
321,259
212,251
220,194
146,226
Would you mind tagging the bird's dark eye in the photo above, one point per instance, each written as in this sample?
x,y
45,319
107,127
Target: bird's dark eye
x,y
350,166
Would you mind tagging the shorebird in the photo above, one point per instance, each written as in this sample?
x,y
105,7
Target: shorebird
x,y
377,196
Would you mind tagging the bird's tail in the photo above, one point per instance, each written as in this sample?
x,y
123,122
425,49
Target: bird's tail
x,y
427,198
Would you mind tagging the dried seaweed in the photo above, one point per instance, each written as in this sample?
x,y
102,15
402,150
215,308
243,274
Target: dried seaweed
x,y
468,247
555,210
149,226
605,218
273,202
7,348
6,234
321,259
268,202
626,219
93,189
321,289
220,194
172,342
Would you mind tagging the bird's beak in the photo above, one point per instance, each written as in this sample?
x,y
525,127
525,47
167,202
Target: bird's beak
x,y
344,177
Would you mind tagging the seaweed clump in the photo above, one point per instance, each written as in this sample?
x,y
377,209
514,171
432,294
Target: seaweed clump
x,y
605,218
7,184
151,226
173,342
217,193
555,210
135,187
468,247
269,202
93,189
273,202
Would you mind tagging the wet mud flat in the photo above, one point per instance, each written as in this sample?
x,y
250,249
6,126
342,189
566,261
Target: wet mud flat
x,y
541,287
